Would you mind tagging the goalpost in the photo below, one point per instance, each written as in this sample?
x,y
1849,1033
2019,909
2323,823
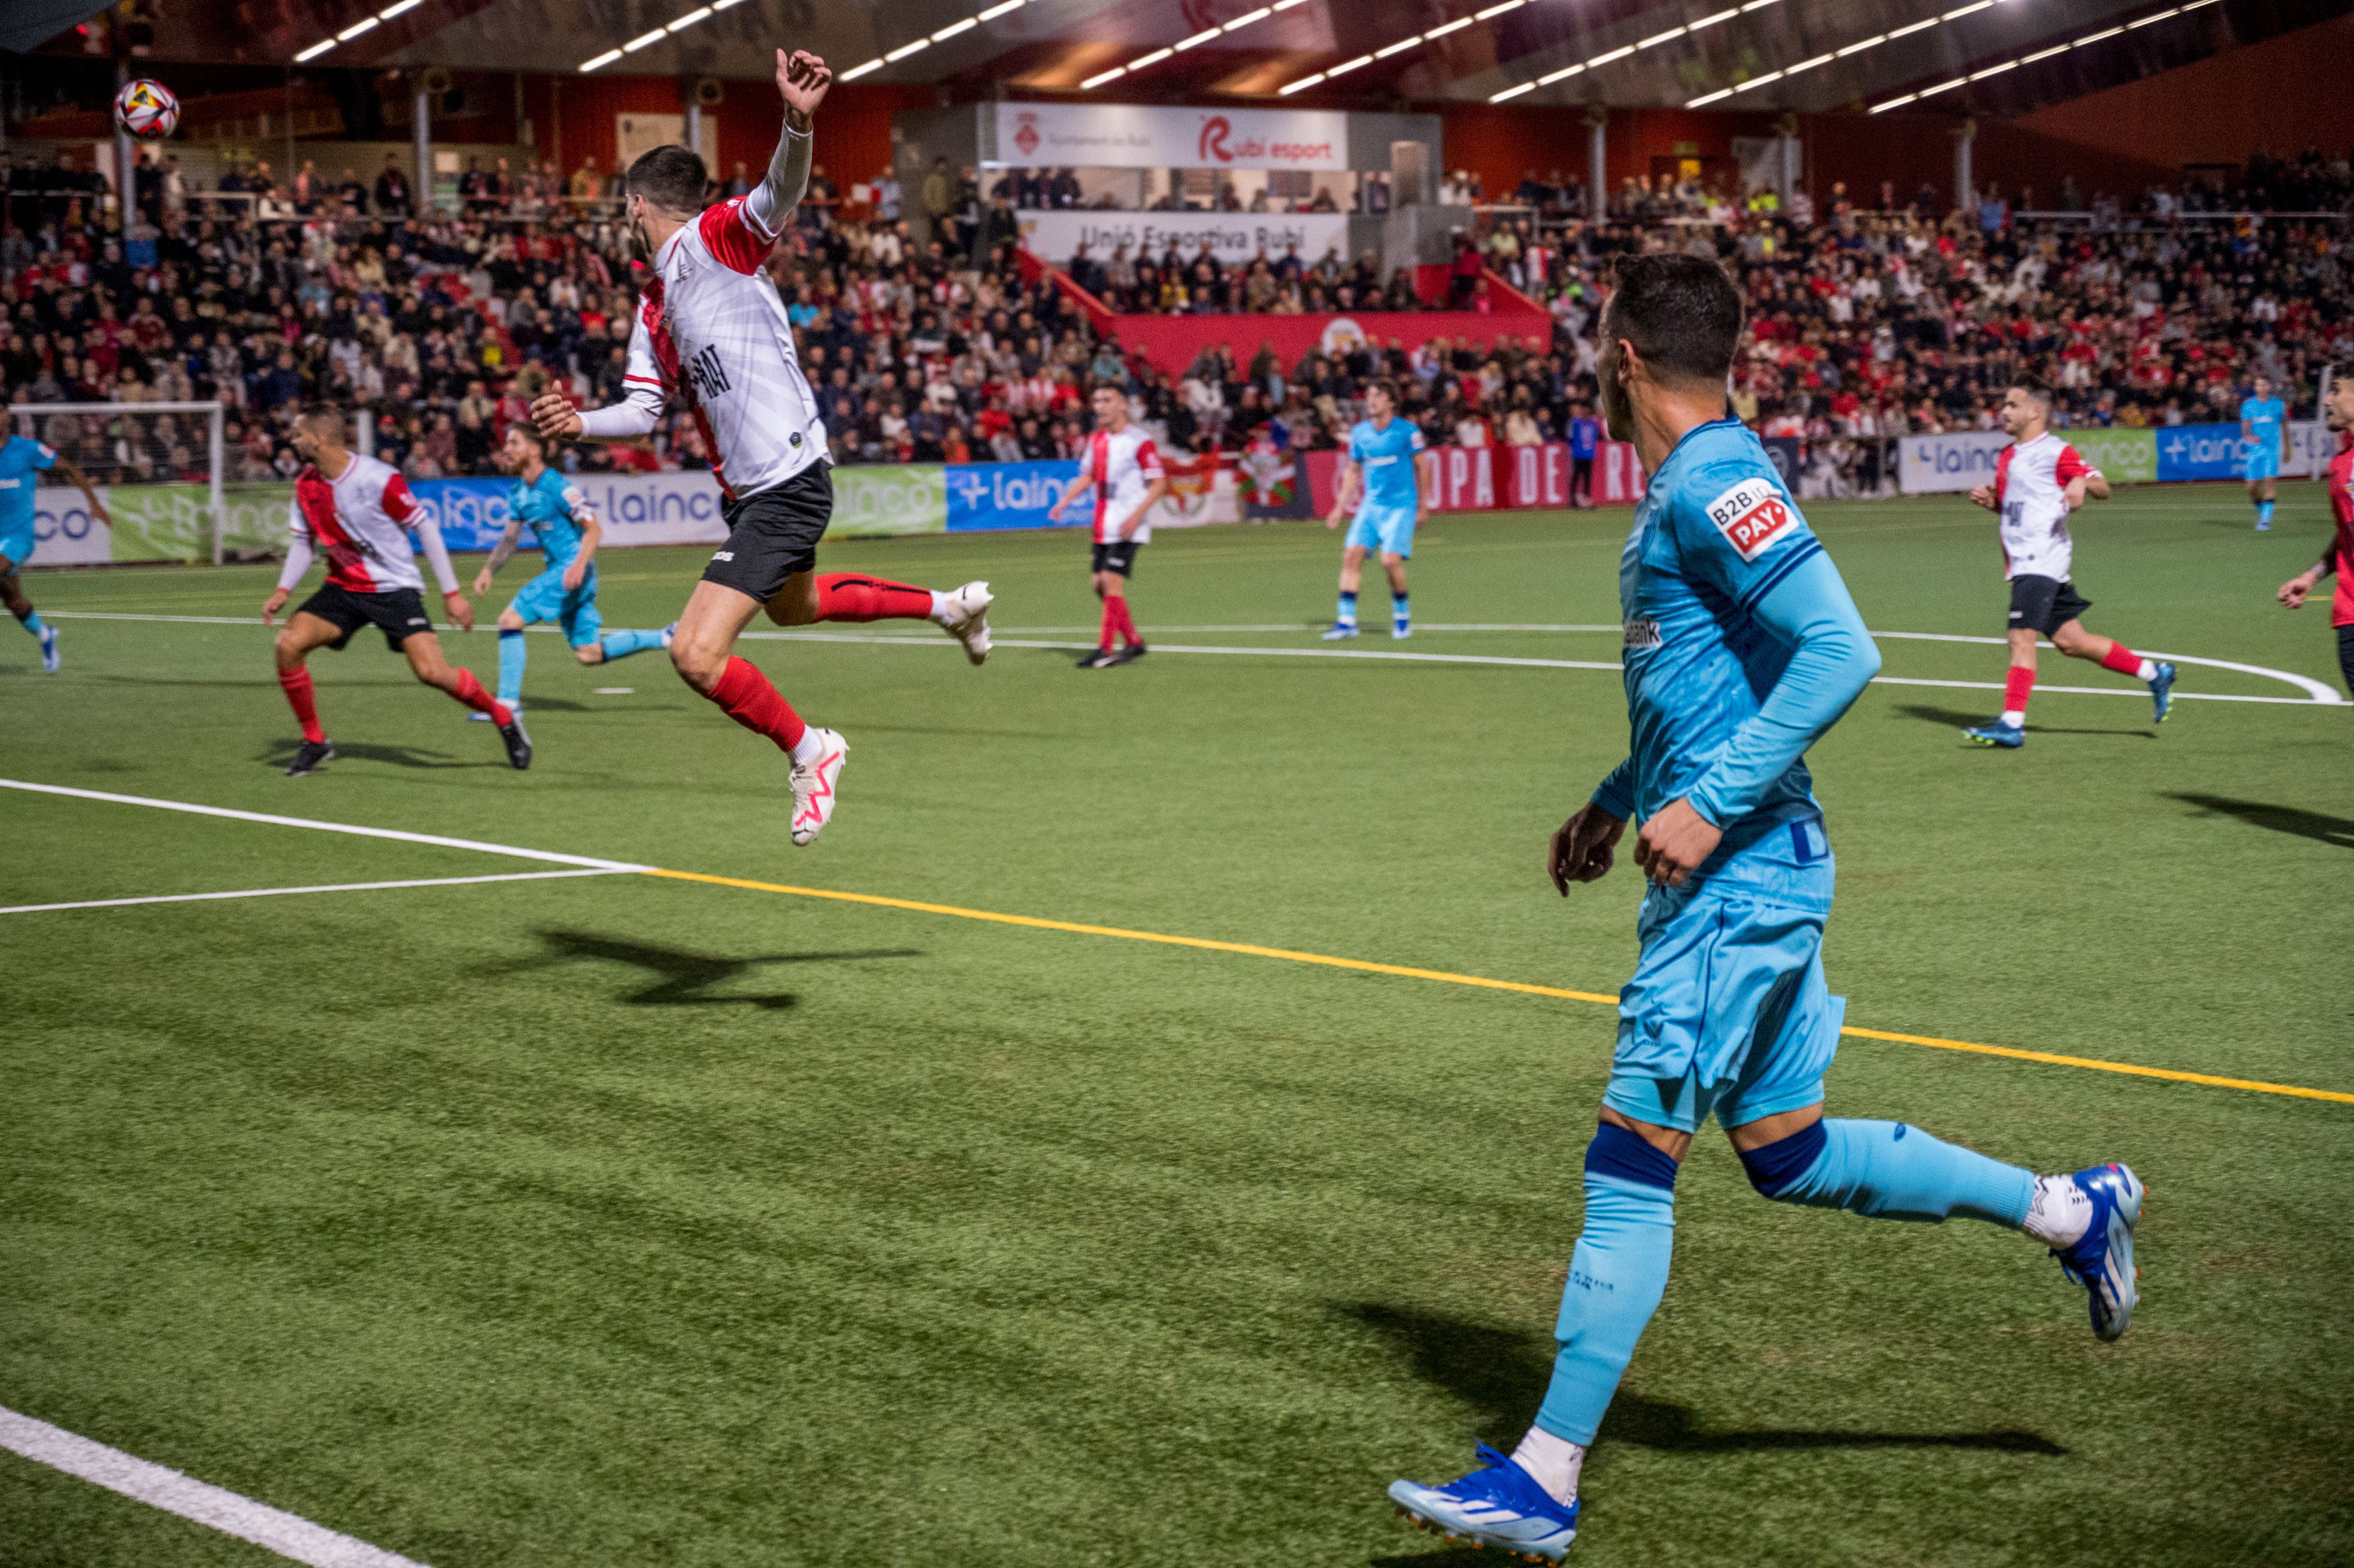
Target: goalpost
x,y
130,445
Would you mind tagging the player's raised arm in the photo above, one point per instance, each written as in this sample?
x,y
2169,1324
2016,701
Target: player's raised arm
x,y
803,80
80,481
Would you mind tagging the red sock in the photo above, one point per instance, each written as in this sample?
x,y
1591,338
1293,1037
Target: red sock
x,y
2017,688
469,691
846,596
745,695
2121,659
1127,623
297,684
1114,608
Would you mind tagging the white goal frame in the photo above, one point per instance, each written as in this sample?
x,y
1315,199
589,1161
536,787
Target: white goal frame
x,y
217,455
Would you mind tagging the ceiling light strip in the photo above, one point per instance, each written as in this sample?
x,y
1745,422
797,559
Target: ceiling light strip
x,y
2025,59
705,12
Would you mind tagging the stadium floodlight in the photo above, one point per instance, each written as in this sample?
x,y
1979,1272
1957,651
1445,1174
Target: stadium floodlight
x,y
1304,83
689,20
1894,103
641,41
1897,33
1102,76
1960,11
1994,71
365,24
1619,53
608,58
1155,58
1757,81
953,28
400,7
1805,65
1197,40
316,50
2161,16
1332,71
1564,74
1712,21
1861,45
1942,86
1512,92
892,57
1247,18
1000,9
1710,98
854,72
1457,25
1662,37
1498,9
1397,49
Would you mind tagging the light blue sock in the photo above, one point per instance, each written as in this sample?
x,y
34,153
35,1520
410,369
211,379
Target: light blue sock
x,y
1616,1275
33,623
511,658
622,644
1398,609
2263,511
1348,614
1890,1172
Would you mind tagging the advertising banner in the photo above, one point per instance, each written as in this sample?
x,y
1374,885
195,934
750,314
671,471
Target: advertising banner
x,y
1928,464
635,508
2123,456
1173,343
64,533
1236,238
1132,136
897,498
2200,451
174,521
990,495
1484,479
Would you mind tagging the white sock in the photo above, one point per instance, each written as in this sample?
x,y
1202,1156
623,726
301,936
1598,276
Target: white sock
x,y
2060,1212
1552,1462
810,747
2015,717
941,612
2148,670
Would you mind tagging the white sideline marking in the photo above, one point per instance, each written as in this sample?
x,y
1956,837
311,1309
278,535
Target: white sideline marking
x,y
270,1528
324,827
2318,694
321,887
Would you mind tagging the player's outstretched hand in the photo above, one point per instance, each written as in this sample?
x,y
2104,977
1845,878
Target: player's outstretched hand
x,y
1581,849
558,420
1674,841
462,614
2294,591
482,582
1982,495
802,80
272,606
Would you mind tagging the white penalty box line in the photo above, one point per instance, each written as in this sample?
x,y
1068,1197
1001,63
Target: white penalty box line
x,y
273,1529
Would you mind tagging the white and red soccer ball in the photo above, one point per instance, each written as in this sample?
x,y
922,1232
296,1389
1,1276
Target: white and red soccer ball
x,y
147,110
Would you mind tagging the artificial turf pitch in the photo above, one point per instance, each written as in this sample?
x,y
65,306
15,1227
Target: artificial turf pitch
x,y
633,1221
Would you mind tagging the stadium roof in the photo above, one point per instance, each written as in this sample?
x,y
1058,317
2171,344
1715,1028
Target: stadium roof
x,y
1994,57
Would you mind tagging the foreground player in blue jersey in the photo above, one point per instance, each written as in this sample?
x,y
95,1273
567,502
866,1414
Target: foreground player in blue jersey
x,y
20,461
2263,440
565,590
1385,477
1742,648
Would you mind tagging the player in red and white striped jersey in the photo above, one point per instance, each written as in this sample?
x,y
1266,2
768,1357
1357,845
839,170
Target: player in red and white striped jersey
x,y
357,512
1122,472
711,330
2038,478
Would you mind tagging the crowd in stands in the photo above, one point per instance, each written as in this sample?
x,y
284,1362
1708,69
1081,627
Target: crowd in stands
x,y
1867,322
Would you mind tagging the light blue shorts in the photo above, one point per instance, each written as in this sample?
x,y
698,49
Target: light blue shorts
x,y
544,599
1388,530
2263,461
16,544
1728,1013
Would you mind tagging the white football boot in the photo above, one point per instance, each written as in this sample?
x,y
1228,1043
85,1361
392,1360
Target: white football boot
x,y
968,620
814,784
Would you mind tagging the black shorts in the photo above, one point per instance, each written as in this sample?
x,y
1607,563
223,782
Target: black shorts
x,y
399,615
773,535
2045,604
2346,655
1119,557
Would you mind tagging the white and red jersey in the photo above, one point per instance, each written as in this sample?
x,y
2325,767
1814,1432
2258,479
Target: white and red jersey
x,y
2031,484
710,328
360,521
1123,467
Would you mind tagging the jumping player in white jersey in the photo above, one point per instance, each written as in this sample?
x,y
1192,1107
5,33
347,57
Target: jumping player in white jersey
x,y
357,511
711,330
1122,472
2038,478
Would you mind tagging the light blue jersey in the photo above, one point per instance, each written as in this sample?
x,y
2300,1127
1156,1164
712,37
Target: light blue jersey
x,y
20,459
1386,460
1741,646
548,506
2263,418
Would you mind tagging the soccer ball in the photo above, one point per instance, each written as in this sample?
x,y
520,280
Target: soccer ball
x,y
147,110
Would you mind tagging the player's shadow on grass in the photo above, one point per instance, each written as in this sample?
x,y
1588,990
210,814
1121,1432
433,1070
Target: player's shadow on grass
x,y
2328,829
1958,720
1501,1374
283,753
681,978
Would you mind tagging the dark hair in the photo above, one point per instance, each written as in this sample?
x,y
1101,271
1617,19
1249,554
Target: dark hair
x,y
318,413
530,432
1386,387
2039,390
670,177
1681,313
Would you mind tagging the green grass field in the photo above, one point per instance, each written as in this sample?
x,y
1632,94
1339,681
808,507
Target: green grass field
x,y
627,1220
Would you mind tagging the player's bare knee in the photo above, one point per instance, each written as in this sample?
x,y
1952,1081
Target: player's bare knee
x,y
698,667
510,621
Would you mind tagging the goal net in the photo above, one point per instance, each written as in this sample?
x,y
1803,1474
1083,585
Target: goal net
x,y
161,470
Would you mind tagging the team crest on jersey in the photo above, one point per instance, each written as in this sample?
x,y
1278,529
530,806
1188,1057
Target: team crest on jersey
x,y
1641,631
1751,516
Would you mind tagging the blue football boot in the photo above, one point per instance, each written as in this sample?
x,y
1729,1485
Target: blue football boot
x,y
50,649
1497,1505
2103,1260
2009,737
2162,692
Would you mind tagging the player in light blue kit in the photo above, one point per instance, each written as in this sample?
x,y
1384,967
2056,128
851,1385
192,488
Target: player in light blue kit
x,y
1742,648
1384,477
20,459
2264,444
566,592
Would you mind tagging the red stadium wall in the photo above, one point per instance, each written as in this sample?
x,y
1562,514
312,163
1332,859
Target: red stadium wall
x,y
853,130
1171,343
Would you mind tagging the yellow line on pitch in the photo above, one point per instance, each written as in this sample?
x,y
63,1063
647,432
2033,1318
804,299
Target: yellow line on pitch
x,y
1405,971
